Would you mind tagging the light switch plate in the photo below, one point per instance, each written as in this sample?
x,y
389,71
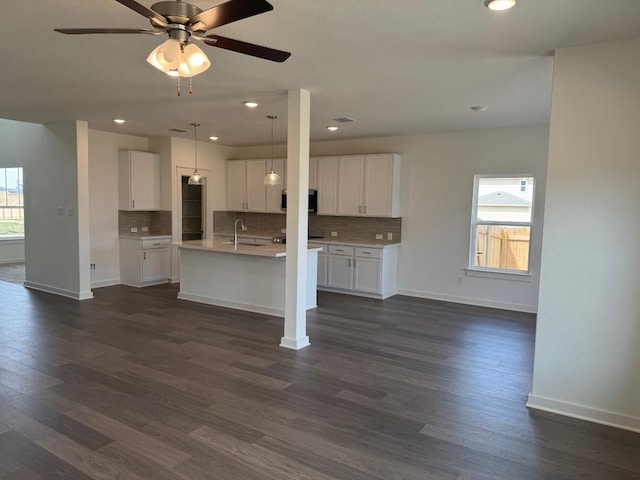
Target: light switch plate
x,y
334,234
134,229
389,236
378,236
145,229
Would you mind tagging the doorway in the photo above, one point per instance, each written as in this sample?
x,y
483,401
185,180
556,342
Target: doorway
x,y
193,204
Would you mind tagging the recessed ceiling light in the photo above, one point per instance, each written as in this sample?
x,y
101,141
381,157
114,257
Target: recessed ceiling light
x,y
499,4
119,121
250,104
479,108
214,138
332,128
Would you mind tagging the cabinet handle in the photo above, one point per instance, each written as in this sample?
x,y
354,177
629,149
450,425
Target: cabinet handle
x,y
355,262
339,250
349,263
133,204
366,253
144,255
365,209
359,208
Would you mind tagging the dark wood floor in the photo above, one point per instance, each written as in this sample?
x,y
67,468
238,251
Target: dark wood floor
x,y
138,385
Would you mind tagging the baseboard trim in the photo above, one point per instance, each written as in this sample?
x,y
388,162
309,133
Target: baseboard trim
x,y
583,412
478,302
59,291
295,343
219,302
105,283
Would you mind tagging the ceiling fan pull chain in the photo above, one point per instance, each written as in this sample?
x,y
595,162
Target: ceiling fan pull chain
x,y
179,86
190,85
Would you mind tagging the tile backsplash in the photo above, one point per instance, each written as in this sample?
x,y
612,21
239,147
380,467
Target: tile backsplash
x,y
348,228
158,222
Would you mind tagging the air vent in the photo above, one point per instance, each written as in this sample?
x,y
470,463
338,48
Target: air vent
x,y
178,130
344,119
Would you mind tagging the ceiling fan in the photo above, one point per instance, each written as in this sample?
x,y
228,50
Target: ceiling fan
x,y
182,22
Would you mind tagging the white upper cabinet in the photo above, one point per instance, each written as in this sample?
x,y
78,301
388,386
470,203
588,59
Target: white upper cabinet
x,y
327,171
359,185
350,185
246,191
313,173
139,179
381,186
236,185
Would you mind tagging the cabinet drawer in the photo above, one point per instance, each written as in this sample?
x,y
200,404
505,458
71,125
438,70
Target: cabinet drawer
x,y
341,250
368,252
150,243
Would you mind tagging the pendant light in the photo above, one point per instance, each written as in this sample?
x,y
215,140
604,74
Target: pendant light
x,y
272,178
195,178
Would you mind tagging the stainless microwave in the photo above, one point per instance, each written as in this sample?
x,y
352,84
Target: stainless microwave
x,y
313,200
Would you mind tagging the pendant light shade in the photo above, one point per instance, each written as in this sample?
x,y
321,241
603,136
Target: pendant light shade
x,y
195,178
272,178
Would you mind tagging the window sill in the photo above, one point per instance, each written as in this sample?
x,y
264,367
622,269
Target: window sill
x,y
16,239
518,277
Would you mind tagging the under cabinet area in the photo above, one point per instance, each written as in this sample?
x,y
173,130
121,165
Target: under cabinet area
x,y
145,261
368,271
139,180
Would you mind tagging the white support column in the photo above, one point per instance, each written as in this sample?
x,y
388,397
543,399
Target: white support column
x,y
295,317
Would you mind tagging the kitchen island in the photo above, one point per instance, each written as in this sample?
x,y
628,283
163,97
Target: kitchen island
x,y
251,277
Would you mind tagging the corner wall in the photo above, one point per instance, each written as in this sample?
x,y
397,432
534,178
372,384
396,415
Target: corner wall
x,y
587,356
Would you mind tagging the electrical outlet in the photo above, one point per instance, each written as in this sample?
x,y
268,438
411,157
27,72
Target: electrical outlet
x,y
334,234
60,210
460,280
134,229
93,266
70,212
378,236
283,230
389,236
145,229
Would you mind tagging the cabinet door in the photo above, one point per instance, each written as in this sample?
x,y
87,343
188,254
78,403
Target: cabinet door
x,y
378,183
340,274
144,181
367,275
327,185
322,269
256,191
313,173
236,186
274,192
350,174
156,264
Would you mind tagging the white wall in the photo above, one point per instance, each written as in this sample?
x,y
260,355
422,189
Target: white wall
x,y
103,202
587,357
437,188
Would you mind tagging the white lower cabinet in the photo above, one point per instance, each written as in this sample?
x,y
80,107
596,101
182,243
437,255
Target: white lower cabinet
x,y
368,271
145,261
322,263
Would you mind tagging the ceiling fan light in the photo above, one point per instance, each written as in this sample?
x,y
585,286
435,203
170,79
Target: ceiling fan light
x,y
195,59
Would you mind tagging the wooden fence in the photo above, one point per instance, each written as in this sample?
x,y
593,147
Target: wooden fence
x,y
503,247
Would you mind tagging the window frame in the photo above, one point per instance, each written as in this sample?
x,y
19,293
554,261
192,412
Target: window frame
x,y
9,238
474,270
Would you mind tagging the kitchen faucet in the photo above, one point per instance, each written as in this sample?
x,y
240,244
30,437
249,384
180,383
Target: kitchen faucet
x,y
235,232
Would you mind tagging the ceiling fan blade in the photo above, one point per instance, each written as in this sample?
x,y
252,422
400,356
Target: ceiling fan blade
x,y
144,11
83,31
228,12
246,48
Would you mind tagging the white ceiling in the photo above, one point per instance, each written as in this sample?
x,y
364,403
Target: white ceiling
x,y
397,67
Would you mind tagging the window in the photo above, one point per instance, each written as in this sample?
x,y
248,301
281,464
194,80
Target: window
x,y
11,203
502,215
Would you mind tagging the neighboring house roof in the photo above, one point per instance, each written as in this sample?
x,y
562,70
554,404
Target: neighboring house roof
x,y
504,199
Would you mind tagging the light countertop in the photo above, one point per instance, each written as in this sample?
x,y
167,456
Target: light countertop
x,y
271,250
325,240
